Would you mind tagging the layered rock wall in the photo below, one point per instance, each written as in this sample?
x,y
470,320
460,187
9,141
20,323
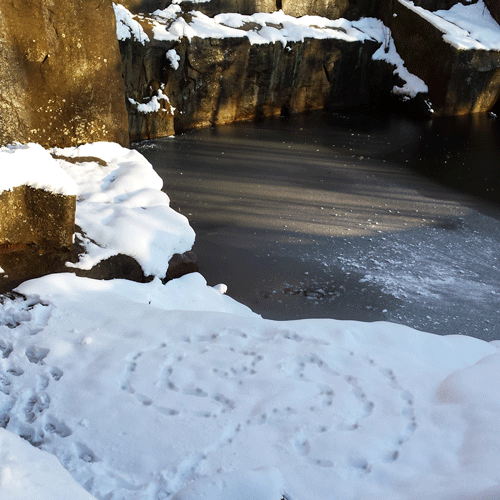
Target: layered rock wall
x,y
60,80
225,80
333,9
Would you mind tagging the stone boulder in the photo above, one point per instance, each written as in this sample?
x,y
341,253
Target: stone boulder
x,y
245,7
60,73
333,9
459,81
37,200
30,216
29,262
145,6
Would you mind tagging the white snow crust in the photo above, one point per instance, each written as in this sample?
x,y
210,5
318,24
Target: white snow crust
x,y
463,26
154,105
147,391
387,52
33,166
121,209
127,27
176,391
26,472
173,58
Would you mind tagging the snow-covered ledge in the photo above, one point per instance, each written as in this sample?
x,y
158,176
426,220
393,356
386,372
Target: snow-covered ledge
x,y
37,199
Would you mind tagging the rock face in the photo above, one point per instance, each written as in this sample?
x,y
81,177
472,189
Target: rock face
x,y
433,5
333,9
60,73
38,217
225,80
30,262
459,81
494,8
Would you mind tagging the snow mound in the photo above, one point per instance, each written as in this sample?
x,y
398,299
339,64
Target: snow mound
x,y
148,392
121,208
26,472
33,166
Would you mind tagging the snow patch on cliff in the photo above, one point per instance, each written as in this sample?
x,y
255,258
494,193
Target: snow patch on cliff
x,y
463,26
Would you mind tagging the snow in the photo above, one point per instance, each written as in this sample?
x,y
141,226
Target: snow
x,y
26,472
176,391
173,58
263,484
153,106
32,166
463,26
145,391
267,28
121,208
127,27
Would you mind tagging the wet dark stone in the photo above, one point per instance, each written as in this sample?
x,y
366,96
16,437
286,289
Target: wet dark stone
x,y
33,262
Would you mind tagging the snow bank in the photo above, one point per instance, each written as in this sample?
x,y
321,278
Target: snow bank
x,y
146,391
263,484
463,26
26,472
122,209
33,166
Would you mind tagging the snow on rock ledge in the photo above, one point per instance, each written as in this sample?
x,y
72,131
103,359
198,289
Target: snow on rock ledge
x,y
185,71
122,210
28,472
33,166
37,199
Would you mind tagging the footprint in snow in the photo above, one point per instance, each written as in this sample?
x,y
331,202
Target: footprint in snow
x,y
54,426
56,373
5,348
15,370
36,355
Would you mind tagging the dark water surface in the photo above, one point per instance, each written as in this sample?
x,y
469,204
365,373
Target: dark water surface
x,y
331,216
